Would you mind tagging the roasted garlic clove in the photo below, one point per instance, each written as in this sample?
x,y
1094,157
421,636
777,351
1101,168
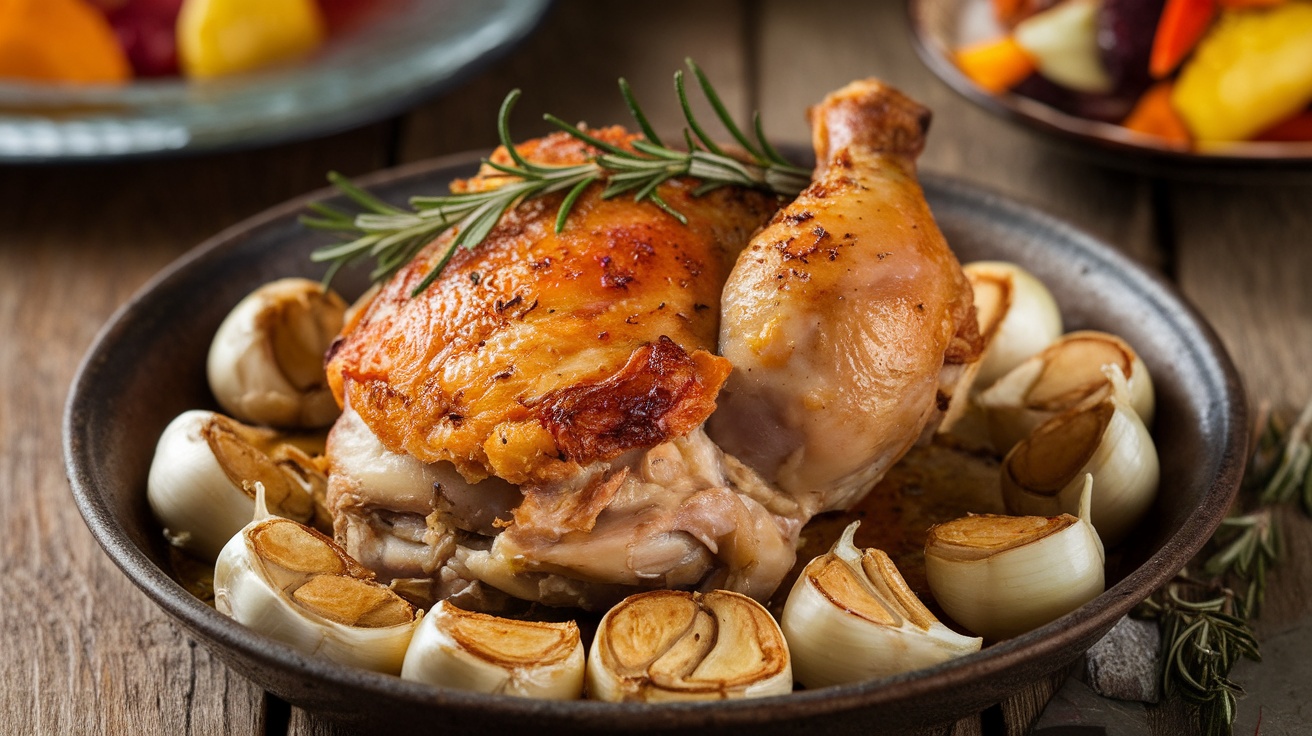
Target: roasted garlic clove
x,y
266,361
1063,375
1018,316
195,485
294,584
1044,474
1000,576
668,645
475,651
850,616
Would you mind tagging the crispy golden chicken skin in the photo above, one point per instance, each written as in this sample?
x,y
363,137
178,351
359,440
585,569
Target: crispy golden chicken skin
x,y
540,352
841,315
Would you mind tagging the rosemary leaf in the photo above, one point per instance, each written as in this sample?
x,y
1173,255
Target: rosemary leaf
x,y
393,236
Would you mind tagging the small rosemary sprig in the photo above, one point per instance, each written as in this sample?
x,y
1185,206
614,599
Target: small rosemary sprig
x,y
392,236
1202,641
1207,626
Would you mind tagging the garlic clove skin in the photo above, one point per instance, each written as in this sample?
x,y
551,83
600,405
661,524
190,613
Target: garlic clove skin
x,y
668,645
202,459
850,616
265,364
1044,474
1063,375
1025,317
1001,576
475,651
294,584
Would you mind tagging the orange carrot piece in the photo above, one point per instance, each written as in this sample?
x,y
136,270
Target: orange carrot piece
x,y
1183,22
59,41
1297,128
1007,10
1154,115
997,66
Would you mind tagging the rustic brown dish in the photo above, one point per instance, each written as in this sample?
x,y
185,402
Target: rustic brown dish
x,y
935,28
148,365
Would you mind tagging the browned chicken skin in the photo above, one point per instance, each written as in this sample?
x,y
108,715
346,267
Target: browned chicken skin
x,y
840,315
578,365
540,352
566,377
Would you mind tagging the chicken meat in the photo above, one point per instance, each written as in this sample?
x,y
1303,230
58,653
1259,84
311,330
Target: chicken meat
x,y
578,366
845,316
530,427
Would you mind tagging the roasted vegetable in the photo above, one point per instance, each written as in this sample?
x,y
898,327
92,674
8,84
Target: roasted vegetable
x,y
1252,71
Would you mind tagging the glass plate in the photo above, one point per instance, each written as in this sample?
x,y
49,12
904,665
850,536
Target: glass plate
x,y
408,53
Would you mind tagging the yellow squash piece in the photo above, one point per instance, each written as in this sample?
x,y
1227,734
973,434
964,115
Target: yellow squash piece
x,y
1251,71
59,41
219,37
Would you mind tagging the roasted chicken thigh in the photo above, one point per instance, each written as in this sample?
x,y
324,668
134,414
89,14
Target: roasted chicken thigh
x,y
576,365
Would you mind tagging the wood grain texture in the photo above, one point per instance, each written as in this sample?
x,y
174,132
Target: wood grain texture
x,y
84,652
571,65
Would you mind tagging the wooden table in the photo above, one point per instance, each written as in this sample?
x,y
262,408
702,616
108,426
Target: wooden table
x,y
82,651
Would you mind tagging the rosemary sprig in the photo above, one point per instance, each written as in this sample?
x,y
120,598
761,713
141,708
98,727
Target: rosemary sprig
x,y
392,236
1203,640
1206,626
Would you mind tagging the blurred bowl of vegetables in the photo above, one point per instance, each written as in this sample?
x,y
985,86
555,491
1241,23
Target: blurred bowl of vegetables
x,y
85,80
1163,85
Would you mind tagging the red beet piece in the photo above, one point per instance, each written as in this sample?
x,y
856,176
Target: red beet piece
x,y
1125,37
146,31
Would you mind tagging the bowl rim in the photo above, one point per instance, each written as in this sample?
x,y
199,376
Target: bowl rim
x,y
995,660
174,116
1083,132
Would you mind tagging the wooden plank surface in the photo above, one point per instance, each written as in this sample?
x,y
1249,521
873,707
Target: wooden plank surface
x,y
84,652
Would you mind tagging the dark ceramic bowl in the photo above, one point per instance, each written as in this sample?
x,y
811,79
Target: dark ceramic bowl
x,y
936,27
148,365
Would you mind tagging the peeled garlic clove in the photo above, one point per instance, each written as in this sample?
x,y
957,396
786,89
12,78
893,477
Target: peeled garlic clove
x,y
294,584
487,654
1044,474
850,616
1018,316
667,645
266,361
1063,375
1000,576
195,485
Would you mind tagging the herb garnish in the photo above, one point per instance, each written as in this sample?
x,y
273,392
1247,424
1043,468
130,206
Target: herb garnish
x,y
1207,624
392,236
